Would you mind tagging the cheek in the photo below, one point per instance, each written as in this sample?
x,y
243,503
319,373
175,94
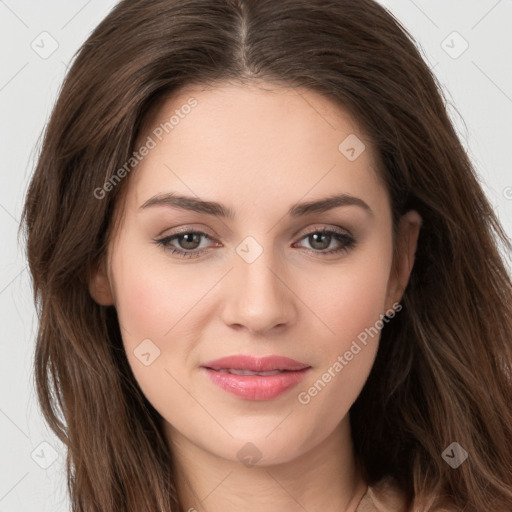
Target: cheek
x,y
350,297
139,304
155,303
350,306
151,294
162,309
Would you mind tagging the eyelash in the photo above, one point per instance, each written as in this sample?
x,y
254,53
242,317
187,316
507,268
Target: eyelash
x,y
348,242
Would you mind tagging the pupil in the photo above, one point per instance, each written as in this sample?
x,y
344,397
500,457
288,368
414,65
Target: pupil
x,y
314,239
189,241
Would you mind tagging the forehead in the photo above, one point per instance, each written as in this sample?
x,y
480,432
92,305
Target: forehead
x,y
254,143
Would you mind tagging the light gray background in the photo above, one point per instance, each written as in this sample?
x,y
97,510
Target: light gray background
x,y
478,85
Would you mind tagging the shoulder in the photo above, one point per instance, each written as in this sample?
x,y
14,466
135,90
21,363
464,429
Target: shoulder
x,y
386,496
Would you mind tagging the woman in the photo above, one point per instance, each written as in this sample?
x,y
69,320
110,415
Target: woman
x,y
267,276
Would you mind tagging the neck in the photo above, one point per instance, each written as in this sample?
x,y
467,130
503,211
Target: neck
x,y
324,478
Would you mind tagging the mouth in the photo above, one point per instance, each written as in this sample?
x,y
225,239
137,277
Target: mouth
x,y
254,378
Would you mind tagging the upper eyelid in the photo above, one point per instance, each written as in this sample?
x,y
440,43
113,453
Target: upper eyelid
x,y
335,229
313,229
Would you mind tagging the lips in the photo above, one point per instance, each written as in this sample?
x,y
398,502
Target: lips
x,y
253,378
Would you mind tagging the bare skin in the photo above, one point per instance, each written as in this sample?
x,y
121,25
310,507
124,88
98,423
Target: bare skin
x,y
257,152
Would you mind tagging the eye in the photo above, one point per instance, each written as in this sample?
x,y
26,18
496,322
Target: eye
x,y
188,244
184,244
321,239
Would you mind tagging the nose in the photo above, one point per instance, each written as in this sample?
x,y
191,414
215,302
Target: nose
x,y
258,297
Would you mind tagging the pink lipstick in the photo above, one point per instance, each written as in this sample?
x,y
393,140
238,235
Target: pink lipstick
x,y
255,378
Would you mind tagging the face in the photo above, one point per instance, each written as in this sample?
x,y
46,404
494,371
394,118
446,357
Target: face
x,y
270,269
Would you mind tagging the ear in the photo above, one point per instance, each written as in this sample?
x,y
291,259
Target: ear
x,y
403,258
99,285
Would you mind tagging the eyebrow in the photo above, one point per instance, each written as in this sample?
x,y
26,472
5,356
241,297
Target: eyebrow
x,y
220,210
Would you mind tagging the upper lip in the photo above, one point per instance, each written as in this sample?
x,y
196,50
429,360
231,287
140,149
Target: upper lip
x,y
255,364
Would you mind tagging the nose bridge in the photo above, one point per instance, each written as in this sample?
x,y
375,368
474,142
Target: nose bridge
x,y
257,298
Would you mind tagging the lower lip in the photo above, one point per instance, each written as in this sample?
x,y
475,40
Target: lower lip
x,y
256,387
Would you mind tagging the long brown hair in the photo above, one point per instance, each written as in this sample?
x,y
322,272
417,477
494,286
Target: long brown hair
x,y
444,367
